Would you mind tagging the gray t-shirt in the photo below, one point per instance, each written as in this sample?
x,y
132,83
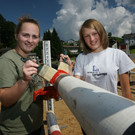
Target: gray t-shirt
x,y
102,69
24,116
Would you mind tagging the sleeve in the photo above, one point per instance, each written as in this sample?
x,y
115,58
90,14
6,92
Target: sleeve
x,y
78,69
125,63
8,73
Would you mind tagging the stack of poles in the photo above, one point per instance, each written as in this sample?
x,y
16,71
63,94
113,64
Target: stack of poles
x,y
53,127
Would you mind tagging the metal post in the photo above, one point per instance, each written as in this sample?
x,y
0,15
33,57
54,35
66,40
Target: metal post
x,y
53,128
47,61
52,124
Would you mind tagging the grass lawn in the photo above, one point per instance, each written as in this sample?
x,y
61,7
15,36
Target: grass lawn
x,y
132,51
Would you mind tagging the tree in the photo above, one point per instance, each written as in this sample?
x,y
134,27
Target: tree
x,y
47,35
109,34
2,21
7,33
38,50
56,44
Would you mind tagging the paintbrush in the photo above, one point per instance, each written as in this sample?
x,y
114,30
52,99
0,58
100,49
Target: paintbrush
x,y
49,74
46,72
63,66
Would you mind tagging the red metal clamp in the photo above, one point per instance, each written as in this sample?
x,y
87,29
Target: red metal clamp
x,y
47,93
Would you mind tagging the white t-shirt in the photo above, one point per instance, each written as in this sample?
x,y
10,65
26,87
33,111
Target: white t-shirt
x,y
102,69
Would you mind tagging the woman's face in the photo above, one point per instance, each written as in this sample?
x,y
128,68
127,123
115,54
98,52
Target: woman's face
x,y
28,38
92,39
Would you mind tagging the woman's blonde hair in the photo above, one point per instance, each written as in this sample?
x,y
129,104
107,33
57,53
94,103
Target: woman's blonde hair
x,y
92,23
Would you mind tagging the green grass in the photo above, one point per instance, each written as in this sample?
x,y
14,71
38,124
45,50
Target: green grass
x,y
132,51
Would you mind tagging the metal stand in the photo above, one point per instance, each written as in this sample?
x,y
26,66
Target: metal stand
x,y
47,61
53,128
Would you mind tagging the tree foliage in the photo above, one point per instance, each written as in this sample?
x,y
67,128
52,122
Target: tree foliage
x,y
119,40
38,50
6,33
109,34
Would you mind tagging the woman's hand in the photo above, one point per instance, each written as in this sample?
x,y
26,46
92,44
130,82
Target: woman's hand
x,y
29,68
67,59
10,95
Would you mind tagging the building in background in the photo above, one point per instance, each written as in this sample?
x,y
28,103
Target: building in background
x,y
129,44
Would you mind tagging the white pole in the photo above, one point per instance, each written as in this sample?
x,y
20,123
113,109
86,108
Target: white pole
x,y
98,111
47,61
52,124
53,128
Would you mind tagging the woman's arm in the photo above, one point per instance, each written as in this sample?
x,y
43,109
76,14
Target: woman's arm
x,y
11,95
68,61
125,85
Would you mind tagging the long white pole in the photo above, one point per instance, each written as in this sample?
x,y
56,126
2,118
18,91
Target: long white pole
x,y
98,111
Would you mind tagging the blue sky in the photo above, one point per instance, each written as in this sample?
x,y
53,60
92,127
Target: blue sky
x,y
117,16
42,10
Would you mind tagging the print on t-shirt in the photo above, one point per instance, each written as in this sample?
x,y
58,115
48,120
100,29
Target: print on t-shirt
x,y
96,71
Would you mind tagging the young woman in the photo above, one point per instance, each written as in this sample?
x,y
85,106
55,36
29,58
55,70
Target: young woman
x,y
99,64
19,114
